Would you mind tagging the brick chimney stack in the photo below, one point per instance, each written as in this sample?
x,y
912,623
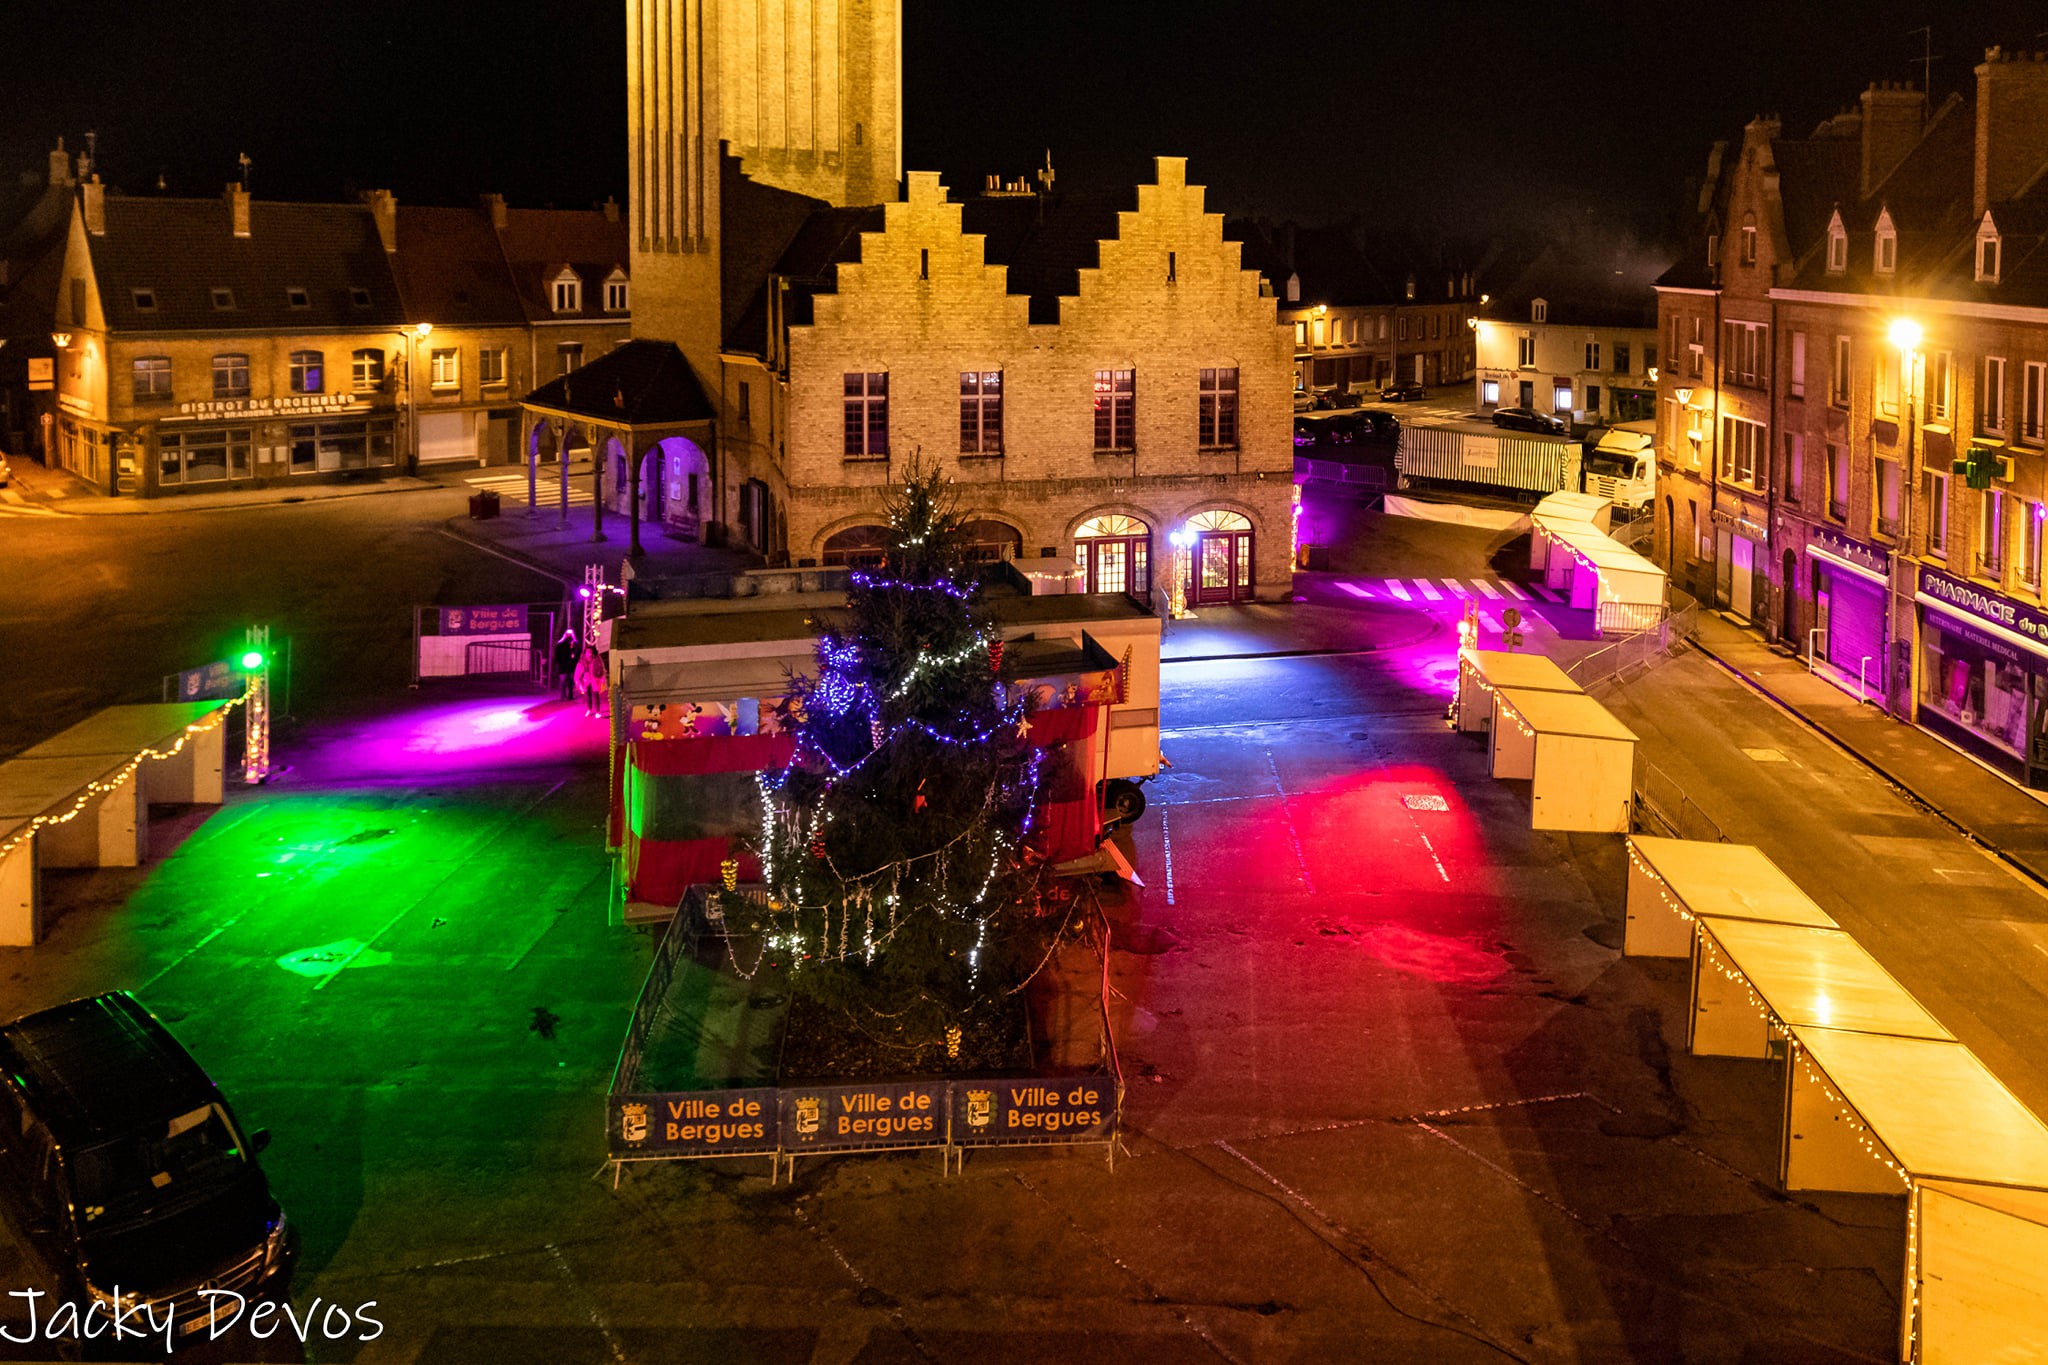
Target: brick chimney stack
x,y
2012,124
92,197
60,167
384,210
494,207
1892,123
238,209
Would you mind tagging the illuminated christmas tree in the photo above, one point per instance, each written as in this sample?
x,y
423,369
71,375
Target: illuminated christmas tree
x,y
894,844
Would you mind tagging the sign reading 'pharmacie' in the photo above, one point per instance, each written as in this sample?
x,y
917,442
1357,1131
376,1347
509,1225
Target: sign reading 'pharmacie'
x,y
1985,606
280,405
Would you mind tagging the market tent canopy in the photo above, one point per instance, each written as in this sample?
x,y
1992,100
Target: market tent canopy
x,y
1580,760
1750,972
1482,672
1569,545
1671,881
1562,508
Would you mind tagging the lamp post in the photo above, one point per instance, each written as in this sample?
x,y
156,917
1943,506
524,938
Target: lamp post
x,y
1905,334
416,333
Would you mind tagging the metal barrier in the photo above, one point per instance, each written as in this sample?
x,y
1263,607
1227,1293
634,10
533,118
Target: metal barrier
x,y
1367,477
1662,805
1639,651
503,657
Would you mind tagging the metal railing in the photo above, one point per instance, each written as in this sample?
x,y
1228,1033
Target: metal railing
x,y
1661,806
505,658
1641,650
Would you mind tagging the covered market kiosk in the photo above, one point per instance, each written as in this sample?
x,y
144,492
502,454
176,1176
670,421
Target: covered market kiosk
x,y
1483,672
82,799
1570,547
1879,1114
1753,980
1579,760
1671,882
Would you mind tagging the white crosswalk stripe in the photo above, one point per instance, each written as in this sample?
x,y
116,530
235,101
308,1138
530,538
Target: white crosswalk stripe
x,y
1422,585
1457,589
1545,593
1447,591
1395,589
1355,590
1514,590
548,491
1487,588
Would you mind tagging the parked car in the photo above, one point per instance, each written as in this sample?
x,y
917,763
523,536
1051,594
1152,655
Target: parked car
x,y
6,474
1403,391
1304,401
1385,425
1529,419
123,1169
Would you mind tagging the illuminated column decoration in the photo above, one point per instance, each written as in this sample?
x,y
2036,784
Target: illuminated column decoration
x,y
1294,531
593,600
255,663
1182,541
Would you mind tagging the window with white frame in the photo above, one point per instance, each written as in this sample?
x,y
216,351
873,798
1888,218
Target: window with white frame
x,y
1525,352
1991,394
2031,514
1795,465
366,370
445,368
490,367
1745,353
152,378
1742,451
1402,329
1991,532
1887,256
1941,385
1838,481
1888,497
1301,331
231,375
615,292
308,372
1885,382
2033,401
1796,381
566,292
1539,310
1937,513
1592,355
1838,246
1987,251
1838,379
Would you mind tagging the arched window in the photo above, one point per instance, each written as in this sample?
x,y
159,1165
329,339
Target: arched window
x,y
1114,553
1222,566
993,540
857,546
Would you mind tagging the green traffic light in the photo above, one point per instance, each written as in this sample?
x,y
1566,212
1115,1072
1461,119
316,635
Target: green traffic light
x,y
252,660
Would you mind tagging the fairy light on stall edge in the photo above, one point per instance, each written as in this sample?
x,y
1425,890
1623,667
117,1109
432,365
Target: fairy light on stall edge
x,y
103,786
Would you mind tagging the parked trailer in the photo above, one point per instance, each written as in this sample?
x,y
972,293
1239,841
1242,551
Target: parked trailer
x,y
1496,459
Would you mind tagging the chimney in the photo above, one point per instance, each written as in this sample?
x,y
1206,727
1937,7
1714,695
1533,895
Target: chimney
x,y
60,167
384,209
238,209
611,209
1892,113
494,209
2012,124
93,199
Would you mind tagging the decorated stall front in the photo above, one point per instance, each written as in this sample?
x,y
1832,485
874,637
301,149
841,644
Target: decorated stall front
x,y
1569,546
1752,979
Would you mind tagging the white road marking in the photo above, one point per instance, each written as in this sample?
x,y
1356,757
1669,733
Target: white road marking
x,y
1354,590
1545,593
1394,587
1514,591
1422,584
1457,589
1486,588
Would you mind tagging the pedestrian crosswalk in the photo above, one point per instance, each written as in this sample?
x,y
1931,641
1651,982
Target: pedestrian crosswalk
x,y
548,489
1453,592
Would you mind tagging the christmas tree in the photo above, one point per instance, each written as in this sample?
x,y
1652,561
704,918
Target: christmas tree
x,y
901,891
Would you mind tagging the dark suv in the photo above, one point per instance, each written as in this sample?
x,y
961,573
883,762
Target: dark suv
x,y
123,1169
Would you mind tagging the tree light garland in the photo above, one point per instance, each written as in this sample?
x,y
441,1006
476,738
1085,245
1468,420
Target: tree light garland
x,y
103,786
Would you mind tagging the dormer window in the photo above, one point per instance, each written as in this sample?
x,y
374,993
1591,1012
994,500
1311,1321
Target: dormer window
x,y
224,300
1838,245
1887,244
1411,286
1749,239
360,298
567,292
1539,310
1987,251
297,297
615,293
145,300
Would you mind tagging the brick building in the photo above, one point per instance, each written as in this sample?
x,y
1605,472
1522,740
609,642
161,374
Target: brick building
x,y
1902,456
1094,371
1572,335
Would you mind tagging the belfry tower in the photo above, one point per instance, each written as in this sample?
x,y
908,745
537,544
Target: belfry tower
x,y
807,93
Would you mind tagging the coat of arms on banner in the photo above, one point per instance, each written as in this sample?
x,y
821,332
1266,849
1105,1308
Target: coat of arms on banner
x,y
633,1122
809,1115
980,1108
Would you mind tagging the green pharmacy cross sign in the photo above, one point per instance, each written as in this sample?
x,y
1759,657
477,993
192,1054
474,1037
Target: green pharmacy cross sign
x,y
1982,465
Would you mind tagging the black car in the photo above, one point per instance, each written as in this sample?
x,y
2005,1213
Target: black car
x,y
1403,391
125,1172
1384,425
1528,419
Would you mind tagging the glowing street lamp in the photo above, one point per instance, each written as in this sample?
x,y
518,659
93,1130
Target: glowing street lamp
x,y
1905,334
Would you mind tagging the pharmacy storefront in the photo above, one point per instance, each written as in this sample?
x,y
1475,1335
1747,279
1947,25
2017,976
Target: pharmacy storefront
x,y
1984,675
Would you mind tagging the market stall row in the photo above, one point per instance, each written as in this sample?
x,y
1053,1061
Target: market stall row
x,y
1542,728
1570,547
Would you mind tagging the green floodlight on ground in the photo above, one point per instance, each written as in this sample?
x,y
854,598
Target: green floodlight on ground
x,y
252,660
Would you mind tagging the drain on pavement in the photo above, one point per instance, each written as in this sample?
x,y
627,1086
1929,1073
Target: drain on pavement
x,y
1426,801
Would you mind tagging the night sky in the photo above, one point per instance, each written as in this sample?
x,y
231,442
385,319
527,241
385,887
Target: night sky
x,y
1461,115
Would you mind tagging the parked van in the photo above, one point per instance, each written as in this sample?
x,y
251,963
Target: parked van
x,y
123,1169
1622,466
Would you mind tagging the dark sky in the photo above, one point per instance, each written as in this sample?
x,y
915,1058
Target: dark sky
x,y
1459,113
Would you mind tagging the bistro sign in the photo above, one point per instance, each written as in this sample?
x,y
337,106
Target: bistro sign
x,y
1974,601
286,405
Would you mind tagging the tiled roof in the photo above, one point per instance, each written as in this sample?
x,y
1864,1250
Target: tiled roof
x,y
827,237
643,383
451,269
1814,178
1614,290
540,242
183,249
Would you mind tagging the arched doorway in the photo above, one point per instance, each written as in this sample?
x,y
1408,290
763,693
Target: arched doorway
x,y
676,486
1789,586
987,540
856,546
1114,553
1223,557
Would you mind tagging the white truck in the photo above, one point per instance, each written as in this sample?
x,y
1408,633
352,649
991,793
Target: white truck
x,y
1622,466
1473,453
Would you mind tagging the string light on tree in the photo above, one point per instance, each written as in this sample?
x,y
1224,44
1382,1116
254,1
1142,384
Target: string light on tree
x,y
255,663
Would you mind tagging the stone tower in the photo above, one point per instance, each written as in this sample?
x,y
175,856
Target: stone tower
x,y
807,93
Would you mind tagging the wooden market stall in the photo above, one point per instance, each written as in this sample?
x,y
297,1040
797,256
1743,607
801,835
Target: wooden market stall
x,y
1673,881
1483,672
182,742
1570,547
1751,976
1579,760
1977,1272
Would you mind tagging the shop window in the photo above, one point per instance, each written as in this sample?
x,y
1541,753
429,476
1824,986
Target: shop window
x,y
1561,398
204,456
309,372
1968,683
327,447
1489,392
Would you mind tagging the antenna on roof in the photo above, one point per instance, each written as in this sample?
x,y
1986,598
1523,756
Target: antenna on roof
x,y
1927,61
244,162
1045,172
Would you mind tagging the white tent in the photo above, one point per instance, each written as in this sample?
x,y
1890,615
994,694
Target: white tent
x,y
1672,881
1568,543
1483,672
1580,760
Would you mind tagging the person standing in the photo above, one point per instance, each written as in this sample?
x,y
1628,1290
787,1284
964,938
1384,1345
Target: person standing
x,y
590,680
565,662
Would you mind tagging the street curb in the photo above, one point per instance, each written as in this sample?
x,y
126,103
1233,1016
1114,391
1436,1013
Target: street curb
x,y
157,507
2036,879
